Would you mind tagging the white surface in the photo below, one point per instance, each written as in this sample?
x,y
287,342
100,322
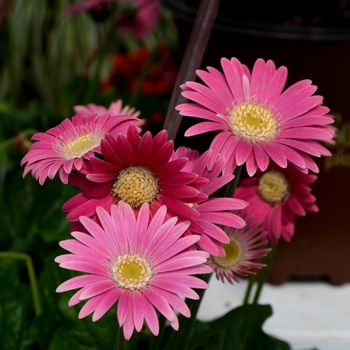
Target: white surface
x,y
306,315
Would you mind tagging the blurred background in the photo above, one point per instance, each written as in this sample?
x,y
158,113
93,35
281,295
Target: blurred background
x,y
52,60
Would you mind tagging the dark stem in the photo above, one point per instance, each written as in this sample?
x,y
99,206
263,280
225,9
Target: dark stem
x,y
264,273
191,61
231,187
251,281
120,342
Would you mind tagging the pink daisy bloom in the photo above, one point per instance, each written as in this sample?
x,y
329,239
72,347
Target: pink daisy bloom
x,y
143,264
276,197
86,6
114,108
136,170
245,246
212,211
256,120
65,146
139,17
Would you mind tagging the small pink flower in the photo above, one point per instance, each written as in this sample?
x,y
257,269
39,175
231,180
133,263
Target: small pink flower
x,y
86,5
136,170
143,264
114,108
213,211
246,245
256,120
65,146
138,17
276,197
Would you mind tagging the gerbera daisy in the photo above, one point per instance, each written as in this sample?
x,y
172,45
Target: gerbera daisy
x,y
136,170
139,17
64,147
212,211
114,108
245,246
143,264
256,119
276,197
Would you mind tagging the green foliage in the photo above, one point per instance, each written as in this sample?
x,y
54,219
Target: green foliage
x,y
239,329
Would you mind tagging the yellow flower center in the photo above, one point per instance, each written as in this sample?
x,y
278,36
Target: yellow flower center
x,y
77,142
131,272
253,122
273,187
136,185
233,255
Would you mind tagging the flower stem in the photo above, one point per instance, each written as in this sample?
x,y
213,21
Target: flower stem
x,y
31,275
252,279
120,342
231,187
156,340
264,273
191,61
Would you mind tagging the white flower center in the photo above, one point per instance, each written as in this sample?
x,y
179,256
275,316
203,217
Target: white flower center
x,y
273,187
233,255
131,272
78,141
136,185
252,122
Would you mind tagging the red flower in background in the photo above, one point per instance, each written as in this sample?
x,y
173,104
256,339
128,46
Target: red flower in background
x,y
128,69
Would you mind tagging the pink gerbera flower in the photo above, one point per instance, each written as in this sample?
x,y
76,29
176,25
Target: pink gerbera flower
x,y
245,246
139,17
143,264
64,147
136,170
256,119
212,211
276,197
114,108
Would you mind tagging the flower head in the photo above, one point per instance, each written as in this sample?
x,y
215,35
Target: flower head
x,y
143,264
213,211
139,17
136,170
65,146
245,245
114,108
256,119
276,197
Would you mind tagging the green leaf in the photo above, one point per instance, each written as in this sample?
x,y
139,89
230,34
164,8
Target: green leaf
x,y
241,329
13,323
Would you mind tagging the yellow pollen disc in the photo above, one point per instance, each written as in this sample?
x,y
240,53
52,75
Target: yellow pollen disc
x,y
233,256
253,122
131,272
77,142
136,185
273,187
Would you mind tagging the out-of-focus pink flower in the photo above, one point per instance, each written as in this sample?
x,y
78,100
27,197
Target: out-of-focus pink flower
x,y
86,6
138,17
114,108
